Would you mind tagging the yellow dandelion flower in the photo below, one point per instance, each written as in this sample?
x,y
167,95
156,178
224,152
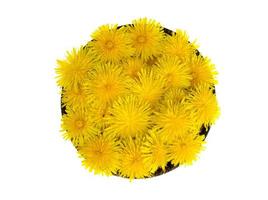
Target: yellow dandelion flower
x,y
110,43
73,71
129,116
174,95
132,164
76,98
185,148
173,120
77,126
107,82
133,66
149,86
174,72
99,114
146,37
101,155
203,105
202,70
178,45
154,151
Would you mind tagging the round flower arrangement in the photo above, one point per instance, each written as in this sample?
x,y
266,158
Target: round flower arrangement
x,y
137,100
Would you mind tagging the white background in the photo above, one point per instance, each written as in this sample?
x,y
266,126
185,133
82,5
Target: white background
x,y
36,163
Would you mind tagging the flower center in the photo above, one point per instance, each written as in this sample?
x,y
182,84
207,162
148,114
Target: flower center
x,y
183,145
109,44
170,78
79,124
141,39
108,87
98,152
135,160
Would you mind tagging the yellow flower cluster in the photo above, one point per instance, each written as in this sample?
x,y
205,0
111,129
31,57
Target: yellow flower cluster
x,y
135,99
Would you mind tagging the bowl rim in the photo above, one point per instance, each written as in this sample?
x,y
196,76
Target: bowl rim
x,y
169,166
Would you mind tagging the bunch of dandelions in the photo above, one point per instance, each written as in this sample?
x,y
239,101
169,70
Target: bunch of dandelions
x,y
135,99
